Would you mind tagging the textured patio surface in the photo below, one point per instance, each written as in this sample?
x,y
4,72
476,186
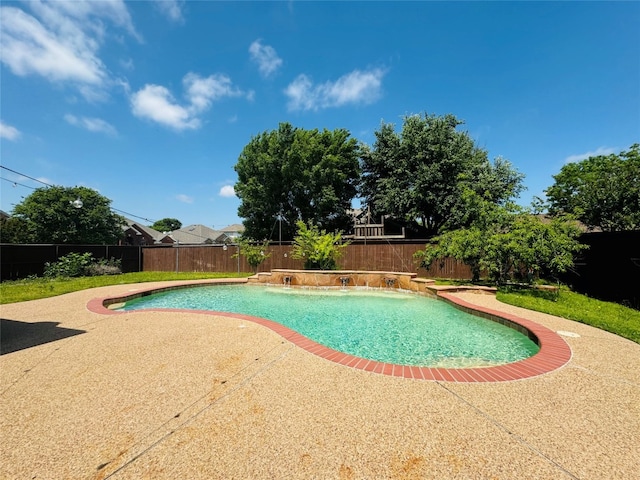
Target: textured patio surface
x,y
186,395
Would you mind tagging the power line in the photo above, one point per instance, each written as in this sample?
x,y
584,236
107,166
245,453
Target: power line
x,y
17,184
132,215
26,176
49,185
186,232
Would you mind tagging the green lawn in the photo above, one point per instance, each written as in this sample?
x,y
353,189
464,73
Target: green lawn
x,y
32,289
607,316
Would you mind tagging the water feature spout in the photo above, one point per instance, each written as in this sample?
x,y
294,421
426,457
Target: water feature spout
x,y
287,281
389,282
344,281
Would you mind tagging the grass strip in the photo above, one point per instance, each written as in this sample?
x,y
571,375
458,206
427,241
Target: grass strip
x,y
33,289
612,317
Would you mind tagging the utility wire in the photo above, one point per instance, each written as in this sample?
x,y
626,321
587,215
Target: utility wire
x,y
17,184
114,209
49,185
26,176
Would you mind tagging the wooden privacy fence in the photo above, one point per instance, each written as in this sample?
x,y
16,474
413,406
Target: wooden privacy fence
x,y
609,269
396,257
20,261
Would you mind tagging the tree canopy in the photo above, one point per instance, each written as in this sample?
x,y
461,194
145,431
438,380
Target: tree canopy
x,y
292,174
602,191
12,231
70,215
167,225
419,174
506,243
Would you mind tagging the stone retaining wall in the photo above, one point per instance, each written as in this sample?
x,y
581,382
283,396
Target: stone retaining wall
x,y
344,279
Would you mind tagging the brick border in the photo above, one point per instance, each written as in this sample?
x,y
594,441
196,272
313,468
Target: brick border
x,y
553,354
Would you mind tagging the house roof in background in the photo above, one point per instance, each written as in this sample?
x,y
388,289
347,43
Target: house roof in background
x,y
196,234
236,227
156,235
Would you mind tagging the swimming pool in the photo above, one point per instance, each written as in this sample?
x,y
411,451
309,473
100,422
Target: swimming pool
x,y
379,325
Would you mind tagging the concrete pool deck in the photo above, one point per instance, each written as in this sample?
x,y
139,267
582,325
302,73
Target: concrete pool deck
x,y
187,395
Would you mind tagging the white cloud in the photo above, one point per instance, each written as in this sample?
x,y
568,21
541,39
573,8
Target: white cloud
x,y
61,40
91,124
88,14
184,198
156,102
9,132
266,57
227,191
583,156
357,87
301,95
172,9
202,91
29,48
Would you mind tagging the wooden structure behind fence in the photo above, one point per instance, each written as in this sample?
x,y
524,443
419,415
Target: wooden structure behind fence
x,y
395,257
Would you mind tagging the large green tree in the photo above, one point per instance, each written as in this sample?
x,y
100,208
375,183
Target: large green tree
x,y
602,191
167,225
293,174
70,215
419,174
12,230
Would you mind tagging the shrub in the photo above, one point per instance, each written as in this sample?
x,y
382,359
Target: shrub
x,y
255,253
70,265
508,243
103,266
81,265
319,250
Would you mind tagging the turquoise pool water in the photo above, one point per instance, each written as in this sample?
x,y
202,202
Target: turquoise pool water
x,y
386,326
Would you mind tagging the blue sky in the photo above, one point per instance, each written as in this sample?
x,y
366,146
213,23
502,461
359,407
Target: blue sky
x,y
150,103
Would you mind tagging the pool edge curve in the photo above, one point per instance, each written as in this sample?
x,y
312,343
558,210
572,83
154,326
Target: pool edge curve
x,y
554,351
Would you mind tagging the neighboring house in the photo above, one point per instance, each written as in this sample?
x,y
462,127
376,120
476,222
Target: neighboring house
x,y
198,235
138,234
4,215
233,231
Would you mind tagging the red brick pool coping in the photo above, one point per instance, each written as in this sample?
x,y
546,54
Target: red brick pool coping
x,y
553,354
